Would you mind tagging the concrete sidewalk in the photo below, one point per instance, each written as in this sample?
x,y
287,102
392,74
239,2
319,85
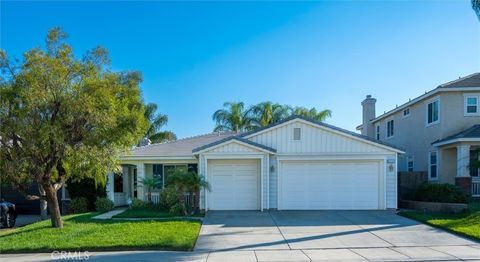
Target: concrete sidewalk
x,y
110,214
438,253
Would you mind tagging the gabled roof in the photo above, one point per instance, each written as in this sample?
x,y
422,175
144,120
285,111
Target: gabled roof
x,y
472,80
472,133
464,83
234,138
179,148
312,121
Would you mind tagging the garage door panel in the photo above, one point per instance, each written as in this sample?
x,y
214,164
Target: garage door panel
x,y
329,185
235,185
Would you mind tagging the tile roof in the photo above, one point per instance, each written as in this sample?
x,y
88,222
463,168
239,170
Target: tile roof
x,y
472,132
179,148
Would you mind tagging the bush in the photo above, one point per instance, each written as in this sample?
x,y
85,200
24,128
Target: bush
x,y
168,198
104,204
86,188
445,193
79,205
177,209
137,204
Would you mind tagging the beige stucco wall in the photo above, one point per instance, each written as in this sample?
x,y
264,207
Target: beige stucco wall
x,y
413,134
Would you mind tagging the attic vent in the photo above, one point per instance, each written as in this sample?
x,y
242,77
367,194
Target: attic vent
x,y
297,133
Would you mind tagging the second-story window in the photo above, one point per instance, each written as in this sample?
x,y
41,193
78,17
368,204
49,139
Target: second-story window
x,y
297,134
471,105
390,128
378,133
410,163
406,112
433,109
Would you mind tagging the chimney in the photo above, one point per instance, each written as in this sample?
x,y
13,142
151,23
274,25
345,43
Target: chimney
x,y
368,106
145,142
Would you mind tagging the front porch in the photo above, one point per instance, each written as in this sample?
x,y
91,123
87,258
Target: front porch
x,y
127,185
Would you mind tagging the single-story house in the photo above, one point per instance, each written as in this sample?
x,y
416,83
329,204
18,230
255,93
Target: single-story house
x,y
296,164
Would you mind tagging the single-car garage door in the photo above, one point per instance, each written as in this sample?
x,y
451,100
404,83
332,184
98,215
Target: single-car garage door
x,y
235,184
331,185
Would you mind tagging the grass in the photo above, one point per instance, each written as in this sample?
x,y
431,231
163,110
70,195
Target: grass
x,y
82,233
144,213
149,212
466,224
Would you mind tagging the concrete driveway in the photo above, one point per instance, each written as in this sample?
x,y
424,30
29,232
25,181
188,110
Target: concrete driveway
x,y
327,235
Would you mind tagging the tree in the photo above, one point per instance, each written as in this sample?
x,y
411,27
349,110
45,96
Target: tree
x,y
233,117
312,113
157,121
63,117
267,113
187,182
149,184
476,7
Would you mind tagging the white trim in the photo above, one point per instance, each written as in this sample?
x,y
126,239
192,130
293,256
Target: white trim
x,y
465,104
205,150
457,140
430,178
233,157
427,103
423,97
381,159
393,128
156,158
327,129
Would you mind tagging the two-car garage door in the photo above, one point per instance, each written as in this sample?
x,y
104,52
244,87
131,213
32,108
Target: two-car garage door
x,y
330,185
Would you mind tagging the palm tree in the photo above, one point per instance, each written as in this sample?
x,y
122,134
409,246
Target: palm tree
x,y
190,182
233,117
150,183
476,7
157,121
312,113
267,113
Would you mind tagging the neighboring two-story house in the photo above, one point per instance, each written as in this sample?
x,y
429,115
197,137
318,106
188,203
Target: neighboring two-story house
x,y
440,132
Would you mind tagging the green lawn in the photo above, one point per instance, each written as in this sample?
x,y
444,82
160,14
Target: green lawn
x,y
144,213
466,224
82,233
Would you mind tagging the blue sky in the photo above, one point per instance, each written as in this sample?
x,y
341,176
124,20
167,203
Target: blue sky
x,y
194,55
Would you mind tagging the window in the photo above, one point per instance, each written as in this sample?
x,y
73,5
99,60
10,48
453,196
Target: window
x,y
474,162
471,105
297,133
117,183
433,170
158,172
410,163
406,112
378,133
433,109
390,128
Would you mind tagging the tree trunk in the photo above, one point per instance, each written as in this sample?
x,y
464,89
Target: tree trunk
x,y
43,203
53,205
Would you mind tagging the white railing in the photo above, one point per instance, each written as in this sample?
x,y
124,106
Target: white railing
x,y
155,196
119,199
475,187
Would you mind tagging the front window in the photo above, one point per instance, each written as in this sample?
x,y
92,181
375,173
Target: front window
x,y
433,165
170,170
433,110
390,128
410,163
471,104
158,172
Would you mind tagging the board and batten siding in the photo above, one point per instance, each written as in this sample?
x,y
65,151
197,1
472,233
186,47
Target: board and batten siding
x,y
233,147
313,140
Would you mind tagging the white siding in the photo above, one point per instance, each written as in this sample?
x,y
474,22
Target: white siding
x,y
313,140
273,182
391,184
233,147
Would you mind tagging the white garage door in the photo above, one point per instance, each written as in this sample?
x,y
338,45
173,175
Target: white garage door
x,y
331,185
235,185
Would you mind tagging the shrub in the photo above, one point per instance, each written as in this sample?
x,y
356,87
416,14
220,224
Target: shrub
x,y
137,204
88,189
445,193
79,205
177,209
104,204
168,198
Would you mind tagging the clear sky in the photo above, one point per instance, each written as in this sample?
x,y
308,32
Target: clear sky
x,y
194,55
